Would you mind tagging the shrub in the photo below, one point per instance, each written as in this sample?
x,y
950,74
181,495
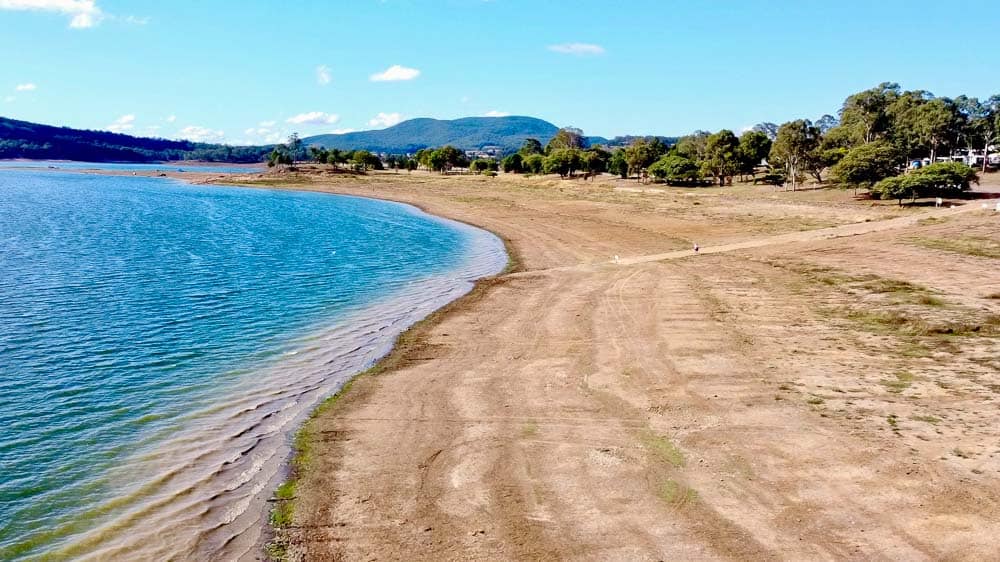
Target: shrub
x,y
676,169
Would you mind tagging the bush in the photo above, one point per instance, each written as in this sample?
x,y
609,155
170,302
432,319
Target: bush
x,y
936,179
676,169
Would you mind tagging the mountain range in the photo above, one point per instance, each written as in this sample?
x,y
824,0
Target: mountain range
x,y
23,139
467,133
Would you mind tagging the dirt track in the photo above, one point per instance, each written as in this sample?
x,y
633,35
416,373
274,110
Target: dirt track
x,y
724,406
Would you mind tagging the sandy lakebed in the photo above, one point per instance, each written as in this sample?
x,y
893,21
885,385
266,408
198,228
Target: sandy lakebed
x,y
822,383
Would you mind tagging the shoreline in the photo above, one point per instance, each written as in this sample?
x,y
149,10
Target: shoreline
x,y
480,254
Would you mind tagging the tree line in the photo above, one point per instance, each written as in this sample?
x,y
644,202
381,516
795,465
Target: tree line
x,y
885,140
878,133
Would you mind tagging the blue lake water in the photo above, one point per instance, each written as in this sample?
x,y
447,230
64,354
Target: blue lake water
x,y
131,167
160,341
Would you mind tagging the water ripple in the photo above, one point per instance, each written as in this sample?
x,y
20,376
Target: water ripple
x,y
160,341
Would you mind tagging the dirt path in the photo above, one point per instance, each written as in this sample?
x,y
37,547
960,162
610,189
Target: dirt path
x,y
624,413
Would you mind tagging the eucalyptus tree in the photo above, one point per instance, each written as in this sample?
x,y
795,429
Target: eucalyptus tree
x,y
722,156
566,138
795,142
867,112
754,148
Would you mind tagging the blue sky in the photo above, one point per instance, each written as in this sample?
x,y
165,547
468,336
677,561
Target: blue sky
x,y
240,72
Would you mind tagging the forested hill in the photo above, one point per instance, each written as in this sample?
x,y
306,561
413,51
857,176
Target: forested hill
x,y
468,133
21,139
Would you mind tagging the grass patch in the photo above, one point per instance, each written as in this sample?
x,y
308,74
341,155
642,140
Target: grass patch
x,y
902,381
674,492
929,300
901,323
927,419
663,448
968,245
893,421
815,401
529,429
883,285
276,551
281,515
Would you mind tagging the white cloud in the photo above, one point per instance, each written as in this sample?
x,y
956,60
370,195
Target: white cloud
x,y
171,119
342,131
200,134
577,49
495,113
122,124
135,20
385,120
323,76
314,118
29,87
264,135
267,123
394,73
82,13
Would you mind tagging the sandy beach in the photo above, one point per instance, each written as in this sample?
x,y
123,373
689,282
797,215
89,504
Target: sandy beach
x,y
819,382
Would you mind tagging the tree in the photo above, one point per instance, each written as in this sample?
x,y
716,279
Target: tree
x,y
754,148
722,156
566,138
318,154
618,164
364,160
935,179
639,155
563,161
867,112
280,156
676,169
595,161
435,160
481,165
295,147
529,147
903,119
448,157
896,187
335,157
693,146
534,163
796,140
935,123
513,164
867,164
989,126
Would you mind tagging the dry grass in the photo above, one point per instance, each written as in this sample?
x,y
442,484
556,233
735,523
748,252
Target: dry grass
x,y
971,246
